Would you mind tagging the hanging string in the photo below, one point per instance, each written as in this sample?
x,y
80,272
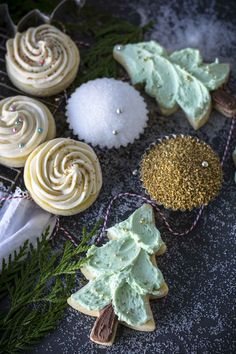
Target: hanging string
x,y
137,196
154,204
226,149
57,225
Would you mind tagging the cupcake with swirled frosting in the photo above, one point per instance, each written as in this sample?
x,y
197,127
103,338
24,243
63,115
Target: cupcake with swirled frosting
x,y
63,176
25,123
42,61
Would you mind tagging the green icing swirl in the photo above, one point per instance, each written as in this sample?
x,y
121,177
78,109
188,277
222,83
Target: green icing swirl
x,y
94,295
113,256
130,306
140,226
180,79
142,281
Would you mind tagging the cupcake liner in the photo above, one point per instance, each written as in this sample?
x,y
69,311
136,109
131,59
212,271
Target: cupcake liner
x,y
118,128
158,202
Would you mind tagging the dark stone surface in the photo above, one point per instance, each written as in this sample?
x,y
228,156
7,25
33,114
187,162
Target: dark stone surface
x,y
198,316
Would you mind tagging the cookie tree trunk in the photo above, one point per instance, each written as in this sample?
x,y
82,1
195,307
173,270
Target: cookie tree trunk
x,y
105,325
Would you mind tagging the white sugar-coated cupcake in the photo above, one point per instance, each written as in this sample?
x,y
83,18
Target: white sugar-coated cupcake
x,y
42,61
63,176
25,123
107,112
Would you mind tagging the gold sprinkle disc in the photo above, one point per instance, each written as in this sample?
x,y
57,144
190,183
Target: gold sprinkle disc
x,y
181,173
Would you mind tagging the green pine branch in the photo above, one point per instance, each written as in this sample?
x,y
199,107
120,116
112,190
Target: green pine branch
x,y
37,282
9,271
103,31
36,285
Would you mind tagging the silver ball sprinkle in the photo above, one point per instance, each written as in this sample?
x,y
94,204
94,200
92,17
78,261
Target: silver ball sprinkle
x,y
21,145
119,111
40,130
205,164
12,108
114,132
135,172
119,47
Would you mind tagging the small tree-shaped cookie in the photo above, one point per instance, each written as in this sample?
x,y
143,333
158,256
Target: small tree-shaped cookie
x,y
123,276
177,80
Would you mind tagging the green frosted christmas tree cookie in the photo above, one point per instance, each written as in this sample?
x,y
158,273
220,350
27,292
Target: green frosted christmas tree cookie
x,y
123,276
177,80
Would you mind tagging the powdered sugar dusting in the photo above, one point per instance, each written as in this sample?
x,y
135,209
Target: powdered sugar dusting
x,y
109,121
177,28
197,315
190,25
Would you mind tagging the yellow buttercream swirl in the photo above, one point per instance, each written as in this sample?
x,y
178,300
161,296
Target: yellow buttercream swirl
x,y
25,123
63,176
41,57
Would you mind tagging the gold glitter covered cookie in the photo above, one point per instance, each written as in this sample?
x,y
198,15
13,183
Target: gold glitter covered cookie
x,y
181,173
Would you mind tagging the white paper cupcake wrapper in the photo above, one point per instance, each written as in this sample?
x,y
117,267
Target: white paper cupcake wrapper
x,y
108,145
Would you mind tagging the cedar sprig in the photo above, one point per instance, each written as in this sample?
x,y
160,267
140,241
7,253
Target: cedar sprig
x,y
8,271
34,289
98,61
103,30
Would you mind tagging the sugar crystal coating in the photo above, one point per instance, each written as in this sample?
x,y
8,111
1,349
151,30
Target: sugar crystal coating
x,y
107,112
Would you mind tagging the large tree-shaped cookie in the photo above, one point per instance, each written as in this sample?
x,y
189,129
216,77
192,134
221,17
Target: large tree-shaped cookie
x,y
123,276
180,79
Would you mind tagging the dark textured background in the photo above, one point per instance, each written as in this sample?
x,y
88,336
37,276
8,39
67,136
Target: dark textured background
x,y
198,316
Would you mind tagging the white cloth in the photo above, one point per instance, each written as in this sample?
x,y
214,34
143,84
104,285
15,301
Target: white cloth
x,y
21,220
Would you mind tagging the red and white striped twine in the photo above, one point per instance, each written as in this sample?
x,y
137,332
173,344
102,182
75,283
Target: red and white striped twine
x,y
3,199
154,204
137,196
68,235
57,225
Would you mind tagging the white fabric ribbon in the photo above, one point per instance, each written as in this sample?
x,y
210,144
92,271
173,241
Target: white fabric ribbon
x,y
20,220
